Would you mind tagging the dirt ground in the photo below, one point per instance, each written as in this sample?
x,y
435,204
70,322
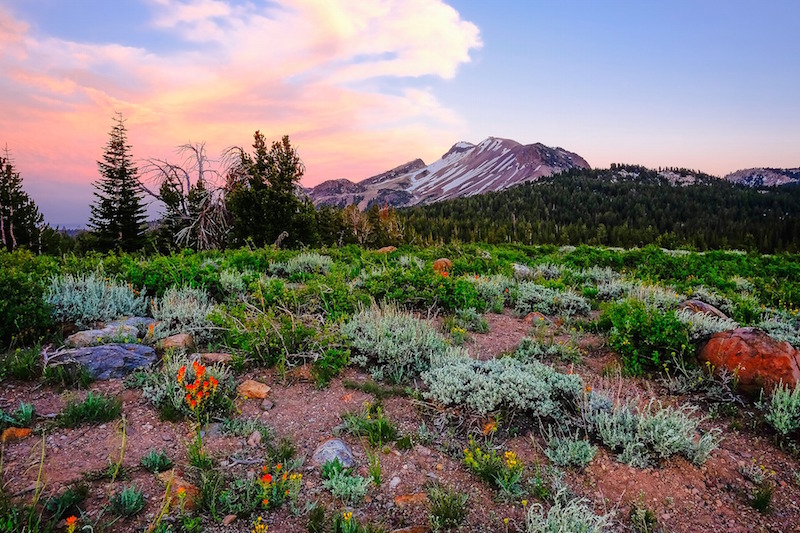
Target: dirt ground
x,y
683,497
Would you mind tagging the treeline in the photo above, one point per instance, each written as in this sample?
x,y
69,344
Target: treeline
x,y
623,206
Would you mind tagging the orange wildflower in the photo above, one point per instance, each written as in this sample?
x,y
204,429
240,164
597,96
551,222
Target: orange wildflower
x,y
266,478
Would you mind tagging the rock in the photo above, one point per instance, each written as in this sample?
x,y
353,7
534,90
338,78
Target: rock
x,y
192,493
387,250
215,358
758,360
442,265
229,519
254,439
536,318
332,449
266,405
181,341
106,335
10,434
394,483
698,306
406,500
112,361
253,389
522,271
411,529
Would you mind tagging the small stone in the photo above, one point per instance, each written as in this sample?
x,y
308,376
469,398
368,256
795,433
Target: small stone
x,y
181,341
216,358
407,500
254,440
266,405
228,520
333,449
166,437
439,466
253,389
394,483
423,450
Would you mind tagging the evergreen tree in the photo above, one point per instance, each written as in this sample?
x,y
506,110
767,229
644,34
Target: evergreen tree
x,y
262,196
20,220
118,214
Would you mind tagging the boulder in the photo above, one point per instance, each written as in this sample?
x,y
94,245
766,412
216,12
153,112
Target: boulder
x,y
253,389
698,306
387,250
181,341
178,485
91,337
112,361
333,449
442,265
758,360
215,358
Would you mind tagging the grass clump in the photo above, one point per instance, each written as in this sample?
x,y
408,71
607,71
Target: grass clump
x,y
342,484
94,409
67,502
88,298
156,462
448,507
502,472
397,345
22,417
127,502
370,423
762,498
303,263
783,412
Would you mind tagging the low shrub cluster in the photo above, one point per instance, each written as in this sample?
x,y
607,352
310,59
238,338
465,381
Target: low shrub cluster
x,y
531,297
93,297
183,310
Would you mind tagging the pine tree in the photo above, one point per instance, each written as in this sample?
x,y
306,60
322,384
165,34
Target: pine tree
x,y
118,214
20,220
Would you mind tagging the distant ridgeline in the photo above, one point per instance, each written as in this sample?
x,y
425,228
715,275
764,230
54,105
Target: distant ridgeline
x,y
623,206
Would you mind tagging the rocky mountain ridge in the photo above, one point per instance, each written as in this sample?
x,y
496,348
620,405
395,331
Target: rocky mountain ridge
x,y
765,177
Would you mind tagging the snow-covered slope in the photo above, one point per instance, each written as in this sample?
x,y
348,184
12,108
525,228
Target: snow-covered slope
x,y
466,169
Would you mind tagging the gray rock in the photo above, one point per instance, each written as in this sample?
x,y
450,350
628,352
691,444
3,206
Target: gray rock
x,y
394,483
111,361
266,405
332,449
90,337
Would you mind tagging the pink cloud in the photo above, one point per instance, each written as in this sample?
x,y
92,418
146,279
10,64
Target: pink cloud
x,y
296,67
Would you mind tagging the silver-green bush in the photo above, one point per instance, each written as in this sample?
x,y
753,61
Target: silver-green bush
x,y
533,297
396,345
183,310
88,298
485,386
703,325
781,327
783,412
533,350
566,516
494,290
569,450
304,262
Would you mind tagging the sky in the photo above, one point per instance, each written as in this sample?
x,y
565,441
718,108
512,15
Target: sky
x,y
362,86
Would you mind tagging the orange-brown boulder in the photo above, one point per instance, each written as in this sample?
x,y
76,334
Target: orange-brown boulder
x,y
387,250
442,265
407,500
10,434
253,389
758,360
698,306
180,488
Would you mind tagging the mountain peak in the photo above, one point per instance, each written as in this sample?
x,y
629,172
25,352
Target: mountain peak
x,y
466,169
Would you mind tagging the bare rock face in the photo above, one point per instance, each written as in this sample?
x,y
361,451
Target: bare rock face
x,y
698,306
758,360
112,361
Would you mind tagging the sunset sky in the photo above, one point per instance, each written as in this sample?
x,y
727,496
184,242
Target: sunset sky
x,y
361,86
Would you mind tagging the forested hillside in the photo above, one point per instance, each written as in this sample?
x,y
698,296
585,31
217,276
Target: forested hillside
x,y
622,206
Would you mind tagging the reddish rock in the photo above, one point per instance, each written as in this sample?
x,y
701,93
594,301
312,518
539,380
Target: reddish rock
x,y
253,389
180,488
407,500
412,529
758,360
387,250
442,265
536,318
181,341
698,306
15,434
216,358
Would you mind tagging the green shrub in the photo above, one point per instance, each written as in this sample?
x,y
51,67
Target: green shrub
x,y
783,412
471,320
127,502
448,507
494,291
485,386
342,484
67,375
570,516
646,337
88,298
502,472
303,263
569,450
21,363
329,365
24,315
94,409
154,461
183,310
21,417
67,502
397,345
